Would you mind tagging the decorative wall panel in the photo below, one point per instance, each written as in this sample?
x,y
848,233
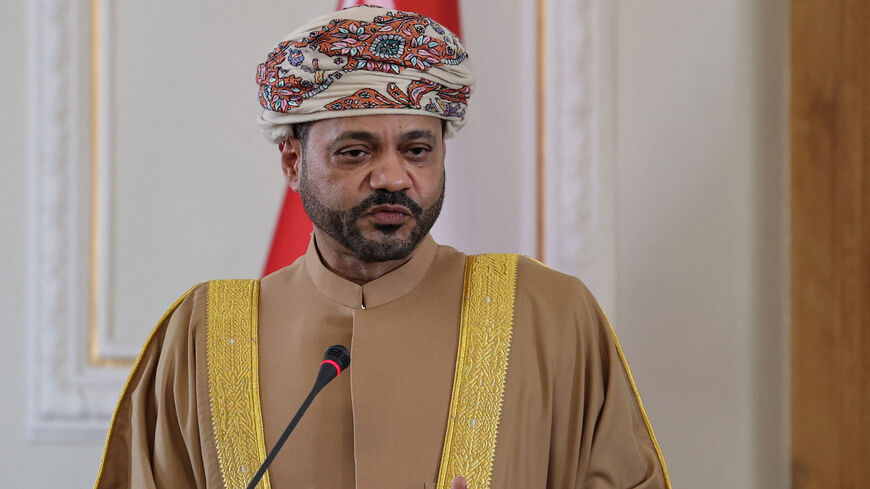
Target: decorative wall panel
x,y
579,174
135,185
69,397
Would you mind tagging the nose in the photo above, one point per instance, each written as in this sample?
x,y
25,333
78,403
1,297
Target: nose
x,y
390,173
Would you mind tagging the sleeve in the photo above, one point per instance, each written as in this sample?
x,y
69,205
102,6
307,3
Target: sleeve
x,y
153,440
614,442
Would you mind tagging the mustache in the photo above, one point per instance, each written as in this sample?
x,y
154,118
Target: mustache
x,y
385,197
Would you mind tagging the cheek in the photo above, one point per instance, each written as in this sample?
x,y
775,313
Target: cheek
x,y
429,184
319,178
338,190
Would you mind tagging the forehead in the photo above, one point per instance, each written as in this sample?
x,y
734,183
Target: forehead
x,y
380,126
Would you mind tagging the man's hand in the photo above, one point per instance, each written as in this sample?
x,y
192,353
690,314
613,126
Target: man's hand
x,y
458,483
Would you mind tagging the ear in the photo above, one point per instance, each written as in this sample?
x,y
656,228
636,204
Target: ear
x,y
291,161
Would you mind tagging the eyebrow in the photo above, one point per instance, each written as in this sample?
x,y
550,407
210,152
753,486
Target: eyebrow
x,y
361,135
369,137
418,134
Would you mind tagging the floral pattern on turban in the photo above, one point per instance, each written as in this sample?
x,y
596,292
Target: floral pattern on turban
x,y
365,60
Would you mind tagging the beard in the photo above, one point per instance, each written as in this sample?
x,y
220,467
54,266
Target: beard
x,y
341,225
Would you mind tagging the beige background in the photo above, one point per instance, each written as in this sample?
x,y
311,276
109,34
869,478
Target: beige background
x,y
699,131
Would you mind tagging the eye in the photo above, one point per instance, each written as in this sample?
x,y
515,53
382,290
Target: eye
x,y
418,151
352,153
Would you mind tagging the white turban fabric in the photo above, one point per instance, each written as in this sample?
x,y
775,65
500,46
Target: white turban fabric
x,y
360,61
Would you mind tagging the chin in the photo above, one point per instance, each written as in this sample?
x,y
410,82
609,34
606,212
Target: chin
x,y
389,232
382,247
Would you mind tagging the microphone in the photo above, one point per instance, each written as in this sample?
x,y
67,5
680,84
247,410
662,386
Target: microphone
x,y
335,360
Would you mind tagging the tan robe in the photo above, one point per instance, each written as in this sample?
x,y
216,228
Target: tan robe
x,y
570,417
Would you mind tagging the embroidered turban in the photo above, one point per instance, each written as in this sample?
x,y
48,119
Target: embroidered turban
x,y
360,61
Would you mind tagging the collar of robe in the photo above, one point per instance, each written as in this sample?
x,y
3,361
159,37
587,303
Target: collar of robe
x,y
383,290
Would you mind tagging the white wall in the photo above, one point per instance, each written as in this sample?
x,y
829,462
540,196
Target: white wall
x,y
702,93
700,135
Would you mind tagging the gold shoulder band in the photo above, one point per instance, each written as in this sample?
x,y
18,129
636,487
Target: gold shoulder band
x,y
481,369
233,380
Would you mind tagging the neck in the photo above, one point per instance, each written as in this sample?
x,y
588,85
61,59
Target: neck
x,y
342,262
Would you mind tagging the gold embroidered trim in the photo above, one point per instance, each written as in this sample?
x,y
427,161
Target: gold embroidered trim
x,y
233,380
481,369
640,405
124,392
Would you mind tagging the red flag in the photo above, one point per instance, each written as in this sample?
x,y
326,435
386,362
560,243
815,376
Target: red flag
x,y
294,228
445,12
291,234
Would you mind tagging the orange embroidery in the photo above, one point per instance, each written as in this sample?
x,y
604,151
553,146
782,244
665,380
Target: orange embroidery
x,y
388,43
294,71
369,98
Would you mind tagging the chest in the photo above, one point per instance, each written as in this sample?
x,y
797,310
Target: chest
x,y
384,420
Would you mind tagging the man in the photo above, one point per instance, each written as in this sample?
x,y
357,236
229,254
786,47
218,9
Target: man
x,y
490,371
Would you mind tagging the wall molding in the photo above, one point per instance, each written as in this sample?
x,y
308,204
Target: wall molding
x,y
580,177
68,397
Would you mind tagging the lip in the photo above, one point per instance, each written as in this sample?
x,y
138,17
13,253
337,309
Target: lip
x,y
396,209
389,215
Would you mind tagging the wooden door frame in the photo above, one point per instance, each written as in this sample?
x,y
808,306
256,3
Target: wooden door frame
x,y
830,230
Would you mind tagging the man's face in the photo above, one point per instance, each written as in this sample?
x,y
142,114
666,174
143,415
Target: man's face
x,y
374,184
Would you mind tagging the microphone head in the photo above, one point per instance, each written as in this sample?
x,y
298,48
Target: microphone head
x,y
338,354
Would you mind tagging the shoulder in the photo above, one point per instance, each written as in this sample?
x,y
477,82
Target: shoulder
x,y
280,278
449,252
164,358
541,283
184,323
179,325
559,309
